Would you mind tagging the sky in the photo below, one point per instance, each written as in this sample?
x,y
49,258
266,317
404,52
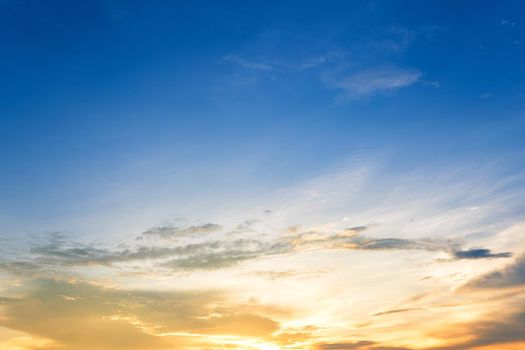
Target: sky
x,y
262,175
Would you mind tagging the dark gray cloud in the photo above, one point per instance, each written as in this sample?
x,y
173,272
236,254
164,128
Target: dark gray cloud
x,y
480,253
512,275
169,231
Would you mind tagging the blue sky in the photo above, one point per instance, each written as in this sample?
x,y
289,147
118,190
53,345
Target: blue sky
x,y
104,92
300,171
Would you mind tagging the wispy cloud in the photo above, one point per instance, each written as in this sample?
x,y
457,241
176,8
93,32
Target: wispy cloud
x,y
248,64
395,311
374,81
280,65
391,40
372,53
507,23
218,254
170,231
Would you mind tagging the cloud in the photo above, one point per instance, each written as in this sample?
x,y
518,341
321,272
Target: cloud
x,y
507,23
382,79
275,275
169,231
20,268
391,40
316,61
345,346
498,330
251,65
7,301
280,65
479,253
512,275
205,255
376,48
359,345
59,252
396,311
83,316
498,327
373,81
82,324
352,239
218,254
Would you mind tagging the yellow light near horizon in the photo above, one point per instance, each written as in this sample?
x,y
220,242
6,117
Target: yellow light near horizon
x,y
25,343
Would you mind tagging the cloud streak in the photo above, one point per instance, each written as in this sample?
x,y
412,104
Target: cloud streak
x,y
374,81
170,231
278,65
227,252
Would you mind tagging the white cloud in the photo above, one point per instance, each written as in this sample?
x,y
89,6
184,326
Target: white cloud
x,y
252,65
280,65
377,80
507,23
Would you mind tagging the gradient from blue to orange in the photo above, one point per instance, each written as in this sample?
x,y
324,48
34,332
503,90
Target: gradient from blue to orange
x,y
265,145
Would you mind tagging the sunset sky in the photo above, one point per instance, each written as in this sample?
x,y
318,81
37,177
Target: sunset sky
x,y
262,175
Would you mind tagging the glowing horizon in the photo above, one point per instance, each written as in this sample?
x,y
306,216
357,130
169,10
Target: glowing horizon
x,y
262,176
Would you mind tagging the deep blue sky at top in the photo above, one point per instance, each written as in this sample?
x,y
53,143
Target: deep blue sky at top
x,y
102,91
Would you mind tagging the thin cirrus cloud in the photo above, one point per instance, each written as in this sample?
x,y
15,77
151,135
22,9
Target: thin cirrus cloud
x,y
372,78
281,65
374,81
357,85
248,64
